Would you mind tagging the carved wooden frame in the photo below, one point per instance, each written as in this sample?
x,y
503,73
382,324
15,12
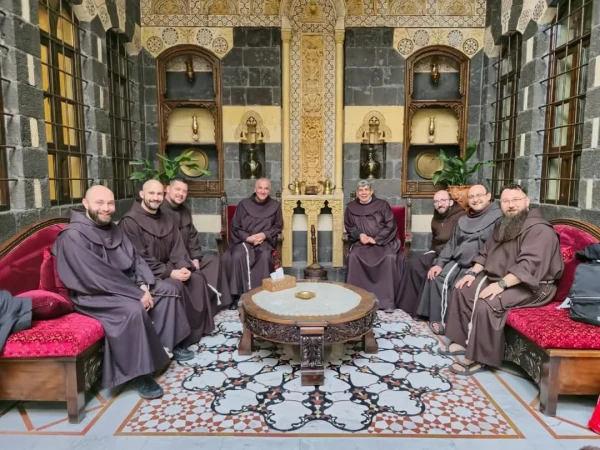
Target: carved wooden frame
x,y
196,188
63,379
556,371
459,107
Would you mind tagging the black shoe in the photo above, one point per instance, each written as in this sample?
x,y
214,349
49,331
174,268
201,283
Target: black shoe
x,y
147,387
234,304
182,354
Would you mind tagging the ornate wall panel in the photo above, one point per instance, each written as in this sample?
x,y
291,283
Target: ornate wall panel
x,y
158,39
468,40
312,90
210,13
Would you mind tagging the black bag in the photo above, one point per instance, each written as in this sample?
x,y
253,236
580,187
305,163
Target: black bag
x,y
585,294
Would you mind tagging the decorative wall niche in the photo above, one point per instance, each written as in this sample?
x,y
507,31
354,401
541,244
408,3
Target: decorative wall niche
x,y
190,114
436,99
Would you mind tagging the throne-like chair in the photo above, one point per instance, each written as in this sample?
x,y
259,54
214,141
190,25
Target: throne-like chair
x,y
403,216
224,236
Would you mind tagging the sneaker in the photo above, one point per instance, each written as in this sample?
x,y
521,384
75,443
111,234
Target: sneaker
x,y
182,354
147,387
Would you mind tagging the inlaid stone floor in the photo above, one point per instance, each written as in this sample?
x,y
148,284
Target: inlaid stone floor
x,y
402,396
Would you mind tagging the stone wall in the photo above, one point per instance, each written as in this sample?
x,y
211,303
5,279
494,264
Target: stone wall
x,y
532,97
23,98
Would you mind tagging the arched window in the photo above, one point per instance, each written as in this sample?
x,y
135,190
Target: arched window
x,y
63,106
120,114
4,194
507,93
567,85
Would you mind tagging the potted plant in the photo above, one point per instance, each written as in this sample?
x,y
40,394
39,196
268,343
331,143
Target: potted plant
x,y
171,168
456,172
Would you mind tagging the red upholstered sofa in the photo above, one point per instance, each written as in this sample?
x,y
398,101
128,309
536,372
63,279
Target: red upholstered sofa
x,y
561,355
223,238
54,360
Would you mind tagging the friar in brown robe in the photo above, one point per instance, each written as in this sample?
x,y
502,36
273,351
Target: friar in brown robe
x,y
375,262
469,236
445,215
143,317
158,240
209,265
518,267
254,228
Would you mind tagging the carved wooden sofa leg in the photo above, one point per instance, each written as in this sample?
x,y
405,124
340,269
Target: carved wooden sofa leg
x,y
549,386
75,393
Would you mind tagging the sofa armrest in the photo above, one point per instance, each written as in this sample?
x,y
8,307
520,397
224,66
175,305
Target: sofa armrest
x,y
346,243
278,251
222,244
407,245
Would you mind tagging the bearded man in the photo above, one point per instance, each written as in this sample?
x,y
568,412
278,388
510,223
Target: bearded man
x,y
518,267
375,262
254,228
143,317
469,236
158,241
209,265
445,216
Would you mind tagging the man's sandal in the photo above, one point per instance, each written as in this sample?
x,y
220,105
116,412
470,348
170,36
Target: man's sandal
x,y
469,369
440,329
446,351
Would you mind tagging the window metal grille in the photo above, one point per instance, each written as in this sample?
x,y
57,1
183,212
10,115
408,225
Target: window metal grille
x,y
567,84
120,114
507,94
63,101
4,187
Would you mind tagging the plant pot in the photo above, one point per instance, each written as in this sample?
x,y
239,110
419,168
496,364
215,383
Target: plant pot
x,y
459,195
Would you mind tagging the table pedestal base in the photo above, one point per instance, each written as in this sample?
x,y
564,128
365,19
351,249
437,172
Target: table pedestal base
x,y
312,352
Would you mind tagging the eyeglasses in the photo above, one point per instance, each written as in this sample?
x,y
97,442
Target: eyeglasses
x,y
514,200
438,202
473,197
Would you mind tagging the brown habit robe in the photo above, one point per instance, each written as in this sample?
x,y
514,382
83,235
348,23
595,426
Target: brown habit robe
x,y
534,257
247,265
469,235
210,265
415,273
375,268
159,242
103,271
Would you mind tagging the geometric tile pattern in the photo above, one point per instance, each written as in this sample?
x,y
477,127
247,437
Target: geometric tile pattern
x,y
404,390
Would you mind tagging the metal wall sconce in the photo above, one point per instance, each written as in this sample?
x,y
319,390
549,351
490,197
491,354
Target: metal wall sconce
x,y
373,142
252,140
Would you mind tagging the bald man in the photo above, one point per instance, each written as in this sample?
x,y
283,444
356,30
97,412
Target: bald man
x,y
143,317
254,228
157,238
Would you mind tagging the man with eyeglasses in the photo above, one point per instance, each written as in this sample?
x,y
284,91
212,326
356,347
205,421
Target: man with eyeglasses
x,y
518,267
445,215
469,236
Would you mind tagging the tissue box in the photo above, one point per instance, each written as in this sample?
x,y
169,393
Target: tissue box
x,y
279,285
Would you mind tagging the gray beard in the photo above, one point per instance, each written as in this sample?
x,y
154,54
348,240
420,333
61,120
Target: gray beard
x,y
510,226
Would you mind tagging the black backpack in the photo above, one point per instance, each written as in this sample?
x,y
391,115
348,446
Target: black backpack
x,y
585,290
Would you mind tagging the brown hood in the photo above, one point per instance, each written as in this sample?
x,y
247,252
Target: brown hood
x,y
534,217
159,224
108,236
358,209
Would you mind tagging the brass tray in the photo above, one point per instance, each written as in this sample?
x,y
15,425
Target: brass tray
x,y
426,164
201,159
305,295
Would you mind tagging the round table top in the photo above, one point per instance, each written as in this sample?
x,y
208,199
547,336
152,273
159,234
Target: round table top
x,y
333,303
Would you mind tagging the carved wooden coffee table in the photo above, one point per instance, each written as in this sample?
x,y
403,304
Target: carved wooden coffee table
x,y
338,313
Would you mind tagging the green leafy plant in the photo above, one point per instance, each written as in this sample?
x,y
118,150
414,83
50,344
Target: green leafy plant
x,y
171,167
456,170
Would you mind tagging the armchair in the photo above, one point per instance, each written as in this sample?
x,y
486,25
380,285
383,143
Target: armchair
x,y
403,215
223,237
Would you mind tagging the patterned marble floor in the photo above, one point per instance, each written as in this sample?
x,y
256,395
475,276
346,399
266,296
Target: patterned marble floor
x,y
404,392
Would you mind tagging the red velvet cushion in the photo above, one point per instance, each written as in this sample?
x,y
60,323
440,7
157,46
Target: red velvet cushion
x,y
571,241
49,280
47,305
66,336
400,216
230,213
549,327
20,268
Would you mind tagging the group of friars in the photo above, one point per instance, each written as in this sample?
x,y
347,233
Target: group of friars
x,y
149,283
